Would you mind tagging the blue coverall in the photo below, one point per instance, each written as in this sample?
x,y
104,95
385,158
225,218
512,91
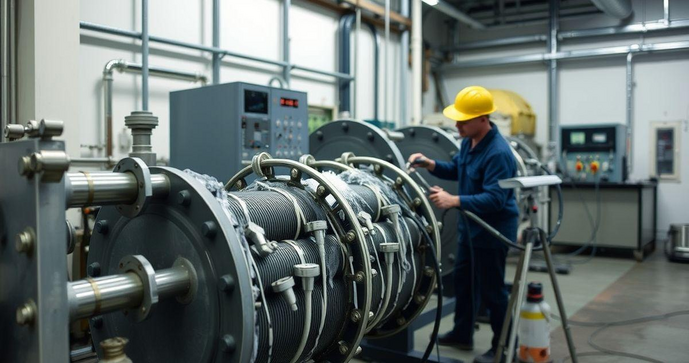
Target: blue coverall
x,y
478,170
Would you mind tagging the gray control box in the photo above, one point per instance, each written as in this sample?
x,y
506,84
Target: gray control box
x,y
216,130
595,152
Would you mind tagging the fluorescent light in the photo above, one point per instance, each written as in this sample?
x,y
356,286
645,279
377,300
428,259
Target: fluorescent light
x,y
431,2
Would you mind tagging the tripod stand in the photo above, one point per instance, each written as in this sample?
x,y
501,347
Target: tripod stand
x,y
530,237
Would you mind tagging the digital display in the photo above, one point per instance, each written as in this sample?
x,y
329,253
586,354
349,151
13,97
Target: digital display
x,y
600,138
289,102
577,138
255,101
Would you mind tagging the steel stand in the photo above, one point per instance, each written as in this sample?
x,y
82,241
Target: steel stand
x,y
530,237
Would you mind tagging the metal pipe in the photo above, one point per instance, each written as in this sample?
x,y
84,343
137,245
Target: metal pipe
x,y
498,42
125,66
553,81
416,48
639,28
286,4
452,11
404,61
216,41
107,188
630,110
386,67
108,161
144,55
666,11
13,61
618,9
357,41
100,295
223,52
4,63
569,55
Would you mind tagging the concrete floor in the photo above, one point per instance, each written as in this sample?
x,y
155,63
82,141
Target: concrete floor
x,y
607,288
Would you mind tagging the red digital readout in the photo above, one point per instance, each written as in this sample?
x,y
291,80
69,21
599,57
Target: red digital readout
x,y
289,102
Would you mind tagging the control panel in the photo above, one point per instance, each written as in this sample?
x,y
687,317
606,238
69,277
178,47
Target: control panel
x,y
218,129
595,152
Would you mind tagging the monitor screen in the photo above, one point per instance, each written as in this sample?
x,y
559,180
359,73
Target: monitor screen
x,y
577,138
255,101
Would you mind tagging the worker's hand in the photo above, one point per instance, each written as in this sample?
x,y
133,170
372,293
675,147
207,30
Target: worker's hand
x,y
443,199
421,161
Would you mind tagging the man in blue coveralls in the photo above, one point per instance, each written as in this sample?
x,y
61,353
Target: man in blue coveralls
x,y
484,158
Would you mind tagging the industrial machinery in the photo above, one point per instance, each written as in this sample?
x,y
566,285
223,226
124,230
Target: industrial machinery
x,y
217,129
595,152
286,269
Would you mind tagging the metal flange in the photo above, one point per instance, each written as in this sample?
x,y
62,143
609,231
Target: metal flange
x,y
140,266
140,170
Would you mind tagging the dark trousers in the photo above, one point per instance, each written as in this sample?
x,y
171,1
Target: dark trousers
x,y
488,287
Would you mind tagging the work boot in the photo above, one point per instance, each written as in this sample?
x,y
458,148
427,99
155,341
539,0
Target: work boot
x,y
450,339
487,357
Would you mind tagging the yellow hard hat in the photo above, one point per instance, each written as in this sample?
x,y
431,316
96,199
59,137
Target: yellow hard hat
x,y
471,102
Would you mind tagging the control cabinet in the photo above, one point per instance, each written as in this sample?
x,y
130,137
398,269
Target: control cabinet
x,y
595,152
216,130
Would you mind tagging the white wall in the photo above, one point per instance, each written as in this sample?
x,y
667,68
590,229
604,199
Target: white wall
x,y
252,27
593,91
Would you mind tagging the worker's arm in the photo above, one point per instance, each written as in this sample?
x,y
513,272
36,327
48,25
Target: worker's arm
x,y
493,198
445,169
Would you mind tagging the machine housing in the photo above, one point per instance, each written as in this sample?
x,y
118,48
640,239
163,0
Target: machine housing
x,y
595,152
217,129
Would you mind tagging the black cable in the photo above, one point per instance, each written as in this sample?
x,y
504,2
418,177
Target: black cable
x,y
474,309
439,308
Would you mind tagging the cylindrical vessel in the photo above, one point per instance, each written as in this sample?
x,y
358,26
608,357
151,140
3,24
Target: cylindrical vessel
x,y
534,329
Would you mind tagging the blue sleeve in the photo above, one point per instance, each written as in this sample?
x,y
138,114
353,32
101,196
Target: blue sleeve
x,y
446,169
493,198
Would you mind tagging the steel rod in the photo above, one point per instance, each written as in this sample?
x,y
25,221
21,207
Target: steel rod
x,y
553,76
106,188
100,295
216,41
286,4
629,90
144,55
221,52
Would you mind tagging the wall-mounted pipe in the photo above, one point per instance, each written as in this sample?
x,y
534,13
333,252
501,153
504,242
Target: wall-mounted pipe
x,y
125,66
222,52
618,9
286,73
553,76
569,55
144,55
344,33
630,110
216,41
404,66
639,28
416,48
5,68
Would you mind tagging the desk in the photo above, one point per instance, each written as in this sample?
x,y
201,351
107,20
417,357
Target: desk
x,y
628,215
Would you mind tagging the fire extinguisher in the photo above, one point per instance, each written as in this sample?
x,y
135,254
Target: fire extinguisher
x,y
534,327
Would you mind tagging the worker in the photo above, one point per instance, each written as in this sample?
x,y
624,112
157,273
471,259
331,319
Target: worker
x,y
484,159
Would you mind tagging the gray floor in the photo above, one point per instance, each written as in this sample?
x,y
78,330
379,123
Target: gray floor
x,y
607,289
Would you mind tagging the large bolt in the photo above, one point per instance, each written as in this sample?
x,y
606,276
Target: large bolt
x,y
356,316
184,198
113,349
93,269
227,343
209,229
102,226
26,314
24,241
343,348
351,236
401,320
24,166
226,283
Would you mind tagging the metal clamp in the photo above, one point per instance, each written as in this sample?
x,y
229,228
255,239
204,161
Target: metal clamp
x,y
140,266
256,163
140,170
44,129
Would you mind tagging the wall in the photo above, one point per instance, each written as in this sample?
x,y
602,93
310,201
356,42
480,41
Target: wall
x,y
252,27
593,91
